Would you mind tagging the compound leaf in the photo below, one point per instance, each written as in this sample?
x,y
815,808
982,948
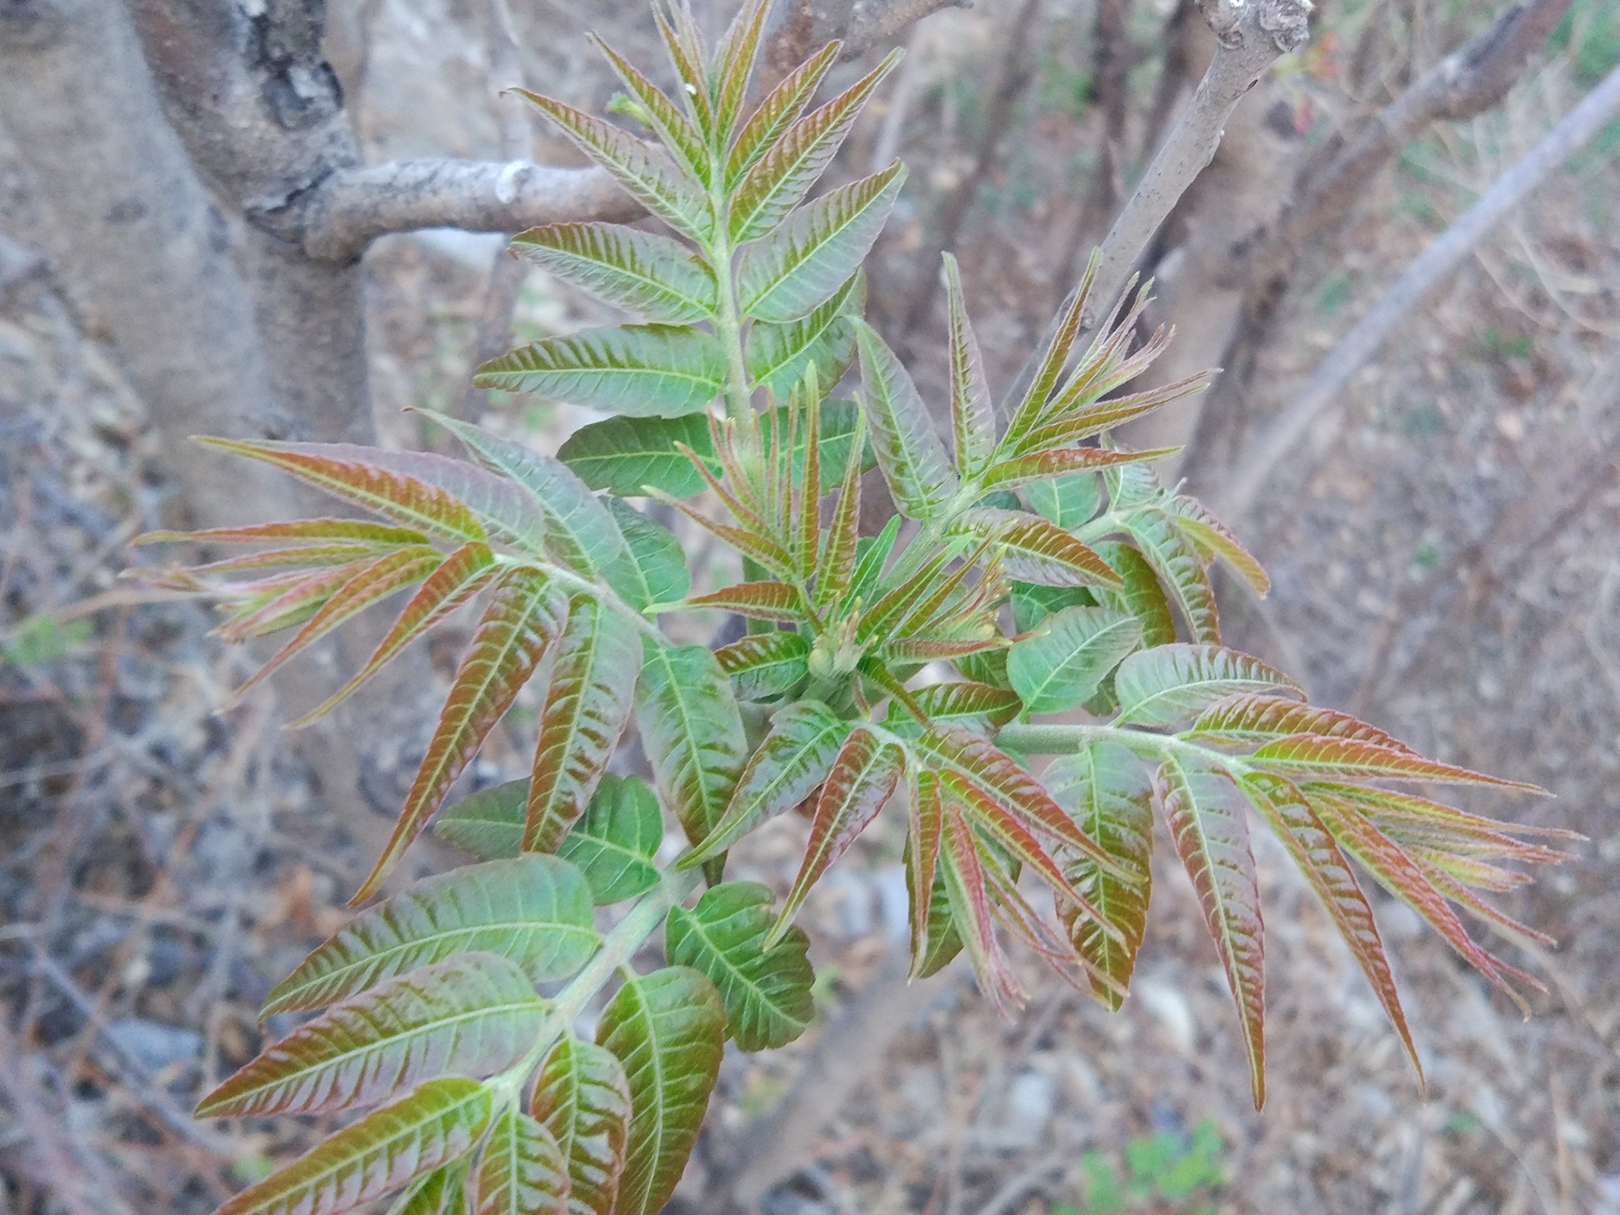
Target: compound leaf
x,y
534,910
583,1098
593,681
489,823
1205,809
908,450
1313,849
580,528
1108,791
765,664
626,455
780,178
647,174
522,1171
777,355
788,766
668,1030
651,567
692,733
817,250
639,271
764,987
615,843
524,615
385,1150
864,776
638,370
1061,664
472,1015
1170,683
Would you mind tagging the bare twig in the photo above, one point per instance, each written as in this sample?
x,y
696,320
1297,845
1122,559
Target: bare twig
x,y
1431,268
353,207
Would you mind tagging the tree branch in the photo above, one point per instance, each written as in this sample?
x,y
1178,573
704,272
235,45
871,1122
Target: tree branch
x,y
1430,269
800,27
1251,38
353,207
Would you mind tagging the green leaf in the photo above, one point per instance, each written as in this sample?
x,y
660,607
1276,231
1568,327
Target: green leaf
x,y
1045,365
969,902
458,578
524,614
1063,662
651,567
489,823
535,910
776,601
1003,781
780,178
1032,604
1214,539
593,678
864,775
817,250
1205,811
441,1192
358,531
353,474
934,939
762,665
522,1171
777,355
1316,755
1143,596
1022,470
668,1030
581,531
471,1015
1068,501
646,173
788,767
625,455
583,1098
673,128
615,843
765,989
1261,716
735,59
1317,856
652,275
975,707
1170,683
385,1150
372,583
973,416
638,370
1035,550
908,450
777,112
1180,571
692,733
1108,791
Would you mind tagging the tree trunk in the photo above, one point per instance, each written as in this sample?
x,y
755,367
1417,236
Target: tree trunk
x,y
143,250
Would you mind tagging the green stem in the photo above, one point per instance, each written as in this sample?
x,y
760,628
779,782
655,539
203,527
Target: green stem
x,y
1029,739
618,948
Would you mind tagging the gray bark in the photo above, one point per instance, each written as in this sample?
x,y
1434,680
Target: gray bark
x,y
142,249
253,99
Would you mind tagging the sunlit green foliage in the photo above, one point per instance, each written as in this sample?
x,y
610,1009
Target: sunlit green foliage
x,y
1035,569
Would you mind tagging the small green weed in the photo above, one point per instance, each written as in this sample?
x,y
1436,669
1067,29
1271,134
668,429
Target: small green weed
x,y
41,639
1161,1167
